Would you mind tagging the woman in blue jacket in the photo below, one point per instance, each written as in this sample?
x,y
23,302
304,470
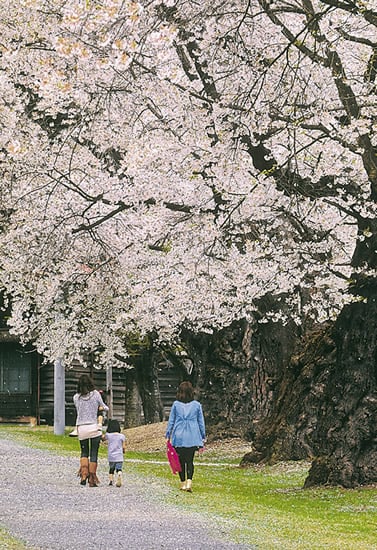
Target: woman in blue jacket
x,y
186,430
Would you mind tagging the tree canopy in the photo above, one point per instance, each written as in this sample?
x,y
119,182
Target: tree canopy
x,y
167,164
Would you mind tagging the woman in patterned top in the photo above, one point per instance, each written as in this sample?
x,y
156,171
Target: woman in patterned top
x,y
87,401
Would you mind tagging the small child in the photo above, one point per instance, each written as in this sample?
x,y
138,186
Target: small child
x,y
116,448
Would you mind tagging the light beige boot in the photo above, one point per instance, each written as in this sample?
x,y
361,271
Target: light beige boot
x,y
188,485
183,486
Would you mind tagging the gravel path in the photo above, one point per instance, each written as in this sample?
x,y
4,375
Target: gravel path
x,y
43,504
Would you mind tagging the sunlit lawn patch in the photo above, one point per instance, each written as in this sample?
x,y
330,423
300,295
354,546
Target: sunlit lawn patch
x,y
267,506
9,543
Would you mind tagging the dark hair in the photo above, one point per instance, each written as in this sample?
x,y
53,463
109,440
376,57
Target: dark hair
x,y
113,426
185,392
85,384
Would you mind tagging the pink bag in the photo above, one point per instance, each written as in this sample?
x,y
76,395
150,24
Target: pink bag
x,y
173,458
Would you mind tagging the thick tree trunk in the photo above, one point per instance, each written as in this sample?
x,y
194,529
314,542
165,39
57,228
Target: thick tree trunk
x,y
147,382
133,405
327,404
348,455
143,400
238,371
291,431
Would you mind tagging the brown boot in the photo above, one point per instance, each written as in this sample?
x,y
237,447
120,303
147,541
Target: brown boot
x,y
83,472
93,479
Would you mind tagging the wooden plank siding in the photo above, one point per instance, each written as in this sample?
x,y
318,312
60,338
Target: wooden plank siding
x,y
127,407
169,377
72,375
36,405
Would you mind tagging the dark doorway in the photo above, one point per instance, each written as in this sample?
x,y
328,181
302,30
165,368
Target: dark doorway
x,y
16,382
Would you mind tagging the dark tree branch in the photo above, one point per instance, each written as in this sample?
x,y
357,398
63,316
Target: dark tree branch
x,y
351,7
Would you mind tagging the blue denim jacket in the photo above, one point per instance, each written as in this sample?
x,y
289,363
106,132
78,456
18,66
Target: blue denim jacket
x,y
186,424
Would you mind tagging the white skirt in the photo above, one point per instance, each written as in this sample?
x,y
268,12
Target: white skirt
x,y
88,431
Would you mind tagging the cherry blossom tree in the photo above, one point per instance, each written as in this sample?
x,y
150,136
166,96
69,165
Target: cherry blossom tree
x,y
166,164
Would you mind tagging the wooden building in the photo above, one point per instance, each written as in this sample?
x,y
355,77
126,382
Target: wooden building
x,y
128,404
139,395
27,387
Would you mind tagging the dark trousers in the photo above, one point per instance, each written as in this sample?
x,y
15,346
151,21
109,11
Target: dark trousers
x,y
89,448
186,458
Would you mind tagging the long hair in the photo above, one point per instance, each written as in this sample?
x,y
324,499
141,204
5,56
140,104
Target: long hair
x,y
185,392
85,384
113,426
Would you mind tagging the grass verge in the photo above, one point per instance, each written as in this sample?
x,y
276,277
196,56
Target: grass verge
x,y
265,506
9,543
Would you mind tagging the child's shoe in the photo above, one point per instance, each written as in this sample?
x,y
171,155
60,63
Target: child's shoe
x,y
119,480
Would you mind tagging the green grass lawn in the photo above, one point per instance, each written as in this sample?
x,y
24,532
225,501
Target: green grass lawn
x,y
9,543
265,505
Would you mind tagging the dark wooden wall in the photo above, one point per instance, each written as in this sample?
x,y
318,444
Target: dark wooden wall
x,y
127,386
127,401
